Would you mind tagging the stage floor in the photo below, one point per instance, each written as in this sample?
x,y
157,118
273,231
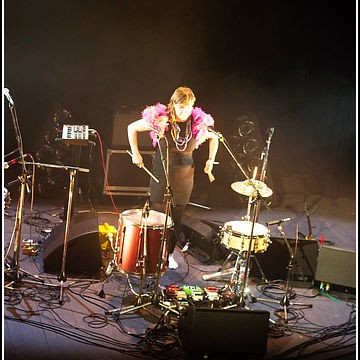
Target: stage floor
x,y
58,315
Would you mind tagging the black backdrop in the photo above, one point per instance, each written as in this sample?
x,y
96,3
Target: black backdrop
x,y
289,64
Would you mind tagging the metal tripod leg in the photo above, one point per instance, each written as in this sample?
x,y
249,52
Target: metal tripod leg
x,y
221,271
263,277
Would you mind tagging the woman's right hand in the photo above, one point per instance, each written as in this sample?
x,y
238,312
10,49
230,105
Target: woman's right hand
x,y
137,159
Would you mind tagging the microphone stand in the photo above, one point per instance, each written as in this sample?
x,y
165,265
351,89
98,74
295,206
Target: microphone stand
x,y
24,186
169,204
155,300
15,264
142,262
285,301
145,215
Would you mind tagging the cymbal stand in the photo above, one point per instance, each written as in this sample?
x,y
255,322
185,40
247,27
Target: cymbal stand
x,y
264,156
256,199
285,301
238,277
223,272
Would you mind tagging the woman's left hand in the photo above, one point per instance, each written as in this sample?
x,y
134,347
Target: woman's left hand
x,y
208,166
208,169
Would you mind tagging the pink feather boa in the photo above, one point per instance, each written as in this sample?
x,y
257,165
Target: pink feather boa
x,y
156,117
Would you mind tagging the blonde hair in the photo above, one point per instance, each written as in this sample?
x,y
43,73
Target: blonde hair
x,y
182,95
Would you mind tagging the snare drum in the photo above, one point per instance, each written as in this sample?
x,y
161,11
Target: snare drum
x,y
236,236
131,238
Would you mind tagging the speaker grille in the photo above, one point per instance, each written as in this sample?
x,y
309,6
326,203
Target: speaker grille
x,y
83,254
219,331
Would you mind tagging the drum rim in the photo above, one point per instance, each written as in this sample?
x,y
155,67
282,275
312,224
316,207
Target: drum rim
x,y
142,226
258,225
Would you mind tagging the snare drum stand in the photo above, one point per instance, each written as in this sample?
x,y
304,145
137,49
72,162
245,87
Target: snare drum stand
x,y
222,271
237,274
241,278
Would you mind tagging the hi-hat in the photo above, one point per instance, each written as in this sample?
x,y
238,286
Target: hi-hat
x,y
249,187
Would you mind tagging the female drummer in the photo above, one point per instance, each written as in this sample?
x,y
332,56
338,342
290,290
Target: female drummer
x,y
179,128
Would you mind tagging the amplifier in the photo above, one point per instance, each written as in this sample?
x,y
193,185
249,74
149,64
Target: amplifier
x,y
336,266
123,177
119,135
274,261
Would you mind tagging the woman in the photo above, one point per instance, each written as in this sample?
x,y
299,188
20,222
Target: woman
x,y
181,128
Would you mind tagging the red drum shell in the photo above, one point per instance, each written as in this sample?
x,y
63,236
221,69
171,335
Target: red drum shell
x,y
133,232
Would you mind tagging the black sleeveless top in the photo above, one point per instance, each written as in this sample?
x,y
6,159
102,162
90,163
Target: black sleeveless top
x,y
181,168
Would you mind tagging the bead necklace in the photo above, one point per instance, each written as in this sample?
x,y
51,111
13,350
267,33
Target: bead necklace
x,y
181,142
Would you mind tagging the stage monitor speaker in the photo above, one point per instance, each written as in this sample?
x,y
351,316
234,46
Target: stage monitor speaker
x,y
83,247
274,261
336,266
204,239
224,332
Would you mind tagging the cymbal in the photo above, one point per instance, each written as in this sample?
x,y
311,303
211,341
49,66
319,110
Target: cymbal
x,y
246,188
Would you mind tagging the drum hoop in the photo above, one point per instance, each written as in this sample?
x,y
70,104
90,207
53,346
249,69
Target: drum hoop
x,y
142,226
234,232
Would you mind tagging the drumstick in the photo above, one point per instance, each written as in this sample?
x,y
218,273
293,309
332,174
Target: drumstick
x,y
143,167
211,177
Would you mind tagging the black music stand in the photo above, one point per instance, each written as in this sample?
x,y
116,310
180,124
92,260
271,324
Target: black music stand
x,y
72,175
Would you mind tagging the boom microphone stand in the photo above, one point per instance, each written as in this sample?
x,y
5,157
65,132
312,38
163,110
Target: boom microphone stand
x,y
14,267
169,204
23,186
155,299
285,301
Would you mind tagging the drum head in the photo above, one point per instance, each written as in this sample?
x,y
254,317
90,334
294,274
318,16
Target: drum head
x,y
155,219
244,228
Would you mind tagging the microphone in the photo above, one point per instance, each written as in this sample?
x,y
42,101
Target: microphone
x,y
218,134
270,133
276,222
14,161
7,94
146,209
